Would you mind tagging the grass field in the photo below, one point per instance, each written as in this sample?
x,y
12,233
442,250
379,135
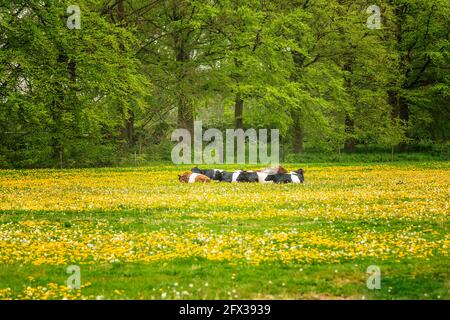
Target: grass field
x,y
137,233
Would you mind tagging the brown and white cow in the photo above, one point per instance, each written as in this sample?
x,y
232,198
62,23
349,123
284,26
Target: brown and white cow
x,y
191,177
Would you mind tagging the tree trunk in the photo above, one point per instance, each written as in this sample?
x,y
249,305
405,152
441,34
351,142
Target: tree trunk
x,y
127,131
238,101
297,127
56,143
72,66
129,128
297,132
238,111
350,143
185,107
185,115
400,109
57,111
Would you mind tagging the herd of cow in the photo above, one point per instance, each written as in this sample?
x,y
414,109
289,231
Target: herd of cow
x,y
267,175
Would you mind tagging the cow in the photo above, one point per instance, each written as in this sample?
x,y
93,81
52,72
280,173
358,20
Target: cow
x,y
231,176
291,177
248,176
301,174
213,174
191,177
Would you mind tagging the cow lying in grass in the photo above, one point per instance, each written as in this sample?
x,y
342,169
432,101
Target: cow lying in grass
x,y
267,175
240,176
247,176
191,177
291,177
231,176
213,174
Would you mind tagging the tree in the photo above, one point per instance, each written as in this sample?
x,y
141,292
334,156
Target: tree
x,y
421,38
60,86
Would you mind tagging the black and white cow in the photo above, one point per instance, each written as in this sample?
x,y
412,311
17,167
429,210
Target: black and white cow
x,y
291,177
247,176
231,176
301,174
213,174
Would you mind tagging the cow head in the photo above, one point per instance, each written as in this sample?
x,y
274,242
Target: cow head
x,y
300,173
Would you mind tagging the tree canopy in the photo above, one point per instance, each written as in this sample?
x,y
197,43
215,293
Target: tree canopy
x,y
135,70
